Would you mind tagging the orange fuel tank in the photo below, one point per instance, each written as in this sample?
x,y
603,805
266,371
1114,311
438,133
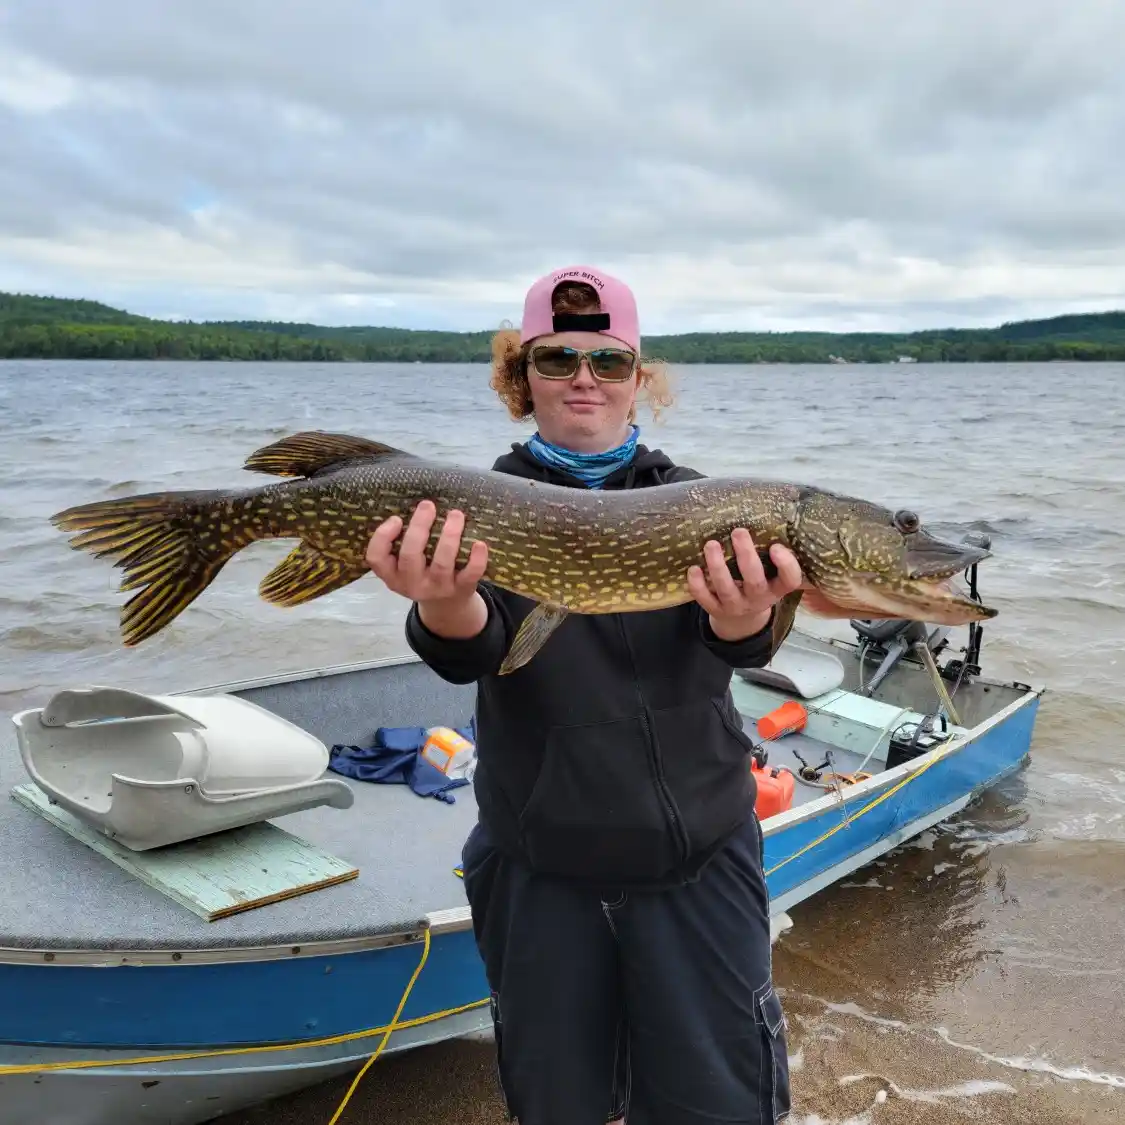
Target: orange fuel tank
x,y
775,789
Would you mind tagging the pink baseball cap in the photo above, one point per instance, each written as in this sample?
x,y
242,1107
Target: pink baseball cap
x,y
617,318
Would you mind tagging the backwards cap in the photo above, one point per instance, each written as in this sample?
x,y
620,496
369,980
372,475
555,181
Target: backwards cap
x,y
617,317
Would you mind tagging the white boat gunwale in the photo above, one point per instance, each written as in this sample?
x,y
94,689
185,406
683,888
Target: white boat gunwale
x,y
438,922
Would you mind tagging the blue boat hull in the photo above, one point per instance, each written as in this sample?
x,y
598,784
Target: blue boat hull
x,y
187,1007
156,1044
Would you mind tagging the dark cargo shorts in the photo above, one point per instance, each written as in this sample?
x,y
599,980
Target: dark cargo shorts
x,y
657,1006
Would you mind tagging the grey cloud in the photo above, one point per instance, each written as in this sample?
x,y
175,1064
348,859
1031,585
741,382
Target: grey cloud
x,y
745,161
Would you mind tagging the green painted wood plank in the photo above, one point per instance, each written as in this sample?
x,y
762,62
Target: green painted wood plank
x,y
212,876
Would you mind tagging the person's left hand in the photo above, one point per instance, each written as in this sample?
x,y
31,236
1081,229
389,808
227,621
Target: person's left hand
x,y
739,609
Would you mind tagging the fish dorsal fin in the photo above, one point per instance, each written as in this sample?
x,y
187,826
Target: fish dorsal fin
x,y
311,451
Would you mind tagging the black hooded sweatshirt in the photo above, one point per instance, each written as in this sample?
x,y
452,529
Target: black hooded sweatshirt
x,y
615,757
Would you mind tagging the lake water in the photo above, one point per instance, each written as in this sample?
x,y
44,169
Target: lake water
x,y
976,974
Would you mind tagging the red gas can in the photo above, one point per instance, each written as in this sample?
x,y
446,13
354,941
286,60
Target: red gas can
x,y
775,789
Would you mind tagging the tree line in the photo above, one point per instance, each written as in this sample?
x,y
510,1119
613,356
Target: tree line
x,y
60,328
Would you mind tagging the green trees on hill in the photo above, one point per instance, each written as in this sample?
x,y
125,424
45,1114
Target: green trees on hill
x,y
61,328
155,341
17,309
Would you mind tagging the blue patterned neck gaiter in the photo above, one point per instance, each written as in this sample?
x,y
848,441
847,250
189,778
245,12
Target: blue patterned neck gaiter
x,y
592,468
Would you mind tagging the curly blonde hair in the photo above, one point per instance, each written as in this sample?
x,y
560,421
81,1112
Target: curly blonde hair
x,y
509,360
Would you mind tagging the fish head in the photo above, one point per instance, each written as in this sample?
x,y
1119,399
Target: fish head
x,y
881,563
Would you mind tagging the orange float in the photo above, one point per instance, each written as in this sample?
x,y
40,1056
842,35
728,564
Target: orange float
x,y
789,718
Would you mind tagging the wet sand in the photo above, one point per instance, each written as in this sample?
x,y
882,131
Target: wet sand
x,y
453,1083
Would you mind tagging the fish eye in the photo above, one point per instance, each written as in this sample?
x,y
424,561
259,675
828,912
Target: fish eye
x,y
907,521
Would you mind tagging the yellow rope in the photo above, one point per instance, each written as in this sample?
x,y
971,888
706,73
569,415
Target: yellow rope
x,y
330,1041
387,1033
855,816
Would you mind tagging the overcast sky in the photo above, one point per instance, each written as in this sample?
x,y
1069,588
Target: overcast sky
x,y
792,163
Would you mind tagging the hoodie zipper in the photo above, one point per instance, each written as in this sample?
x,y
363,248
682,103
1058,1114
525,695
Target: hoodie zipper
x,y
654,757
631,472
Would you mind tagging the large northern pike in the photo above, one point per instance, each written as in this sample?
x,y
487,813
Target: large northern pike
x,y
570,550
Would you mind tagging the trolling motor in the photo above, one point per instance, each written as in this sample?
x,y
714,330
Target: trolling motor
x,y
894,639
906,636
970,665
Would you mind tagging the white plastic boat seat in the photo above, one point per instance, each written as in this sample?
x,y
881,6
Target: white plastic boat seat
x,y
805,672
151,770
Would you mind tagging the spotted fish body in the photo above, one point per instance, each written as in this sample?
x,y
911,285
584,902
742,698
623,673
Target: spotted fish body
x,y
594,552
569,550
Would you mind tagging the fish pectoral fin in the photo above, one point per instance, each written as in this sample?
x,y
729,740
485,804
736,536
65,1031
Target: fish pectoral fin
x,y
306,573
532,634
783,618
311,451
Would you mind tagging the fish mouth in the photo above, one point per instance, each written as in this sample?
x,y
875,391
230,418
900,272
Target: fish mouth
x,y
930,558
932,564
924,589
934,599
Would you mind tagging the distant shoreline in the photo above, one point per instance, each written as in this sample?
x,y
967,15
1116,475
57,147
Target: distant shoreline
x,y
61,328
481,362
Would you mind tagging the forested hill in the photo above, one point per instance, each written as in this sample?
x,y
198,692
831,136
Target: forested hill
x,y
55,327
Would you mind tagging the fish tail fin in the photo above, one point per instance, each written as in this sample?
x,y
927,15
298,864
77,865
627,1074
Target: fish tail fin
x,y
170,545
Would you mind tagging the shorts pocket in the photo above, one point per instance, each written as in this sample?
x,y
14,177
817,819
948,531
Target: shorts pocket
x,y
596,809
773,1093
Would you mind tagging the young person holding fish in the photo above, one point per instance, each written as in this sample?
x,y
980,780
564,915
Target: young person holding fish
x,y
615,875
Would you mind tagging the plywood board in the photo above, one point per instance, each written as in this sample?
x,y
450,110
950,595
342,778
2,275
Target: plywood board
x,y
212,876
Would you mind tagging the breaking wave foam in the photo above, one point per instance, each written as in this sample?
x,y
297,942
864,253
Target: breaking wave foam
x,y
1039,1066
974,1088
1028,1065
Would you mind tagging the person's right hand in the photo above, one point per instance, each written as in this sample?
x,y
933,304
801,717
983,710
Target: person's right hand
x,y
409,575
